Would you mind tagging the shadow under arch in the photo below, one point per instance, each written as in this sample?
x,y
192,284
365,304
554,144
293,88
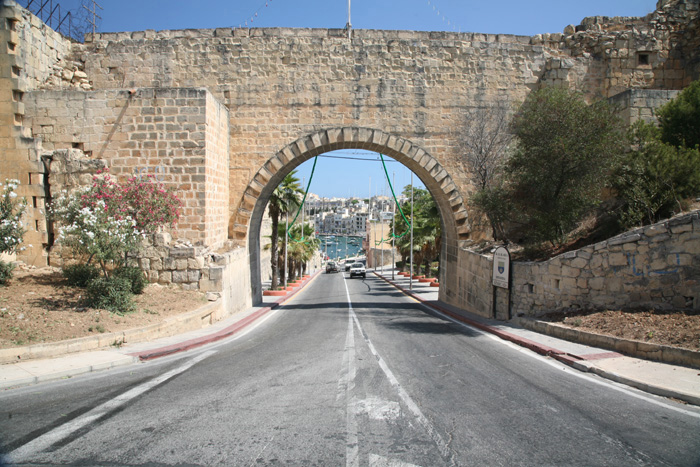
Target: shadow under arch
x,y
247,221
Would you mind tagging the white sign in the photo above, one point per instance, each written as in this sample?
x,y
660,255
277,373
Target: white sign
x,y
501,267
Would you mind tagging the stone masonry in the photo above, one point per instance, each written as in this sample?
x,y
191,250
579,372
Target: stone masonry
x,y
225,114
656,266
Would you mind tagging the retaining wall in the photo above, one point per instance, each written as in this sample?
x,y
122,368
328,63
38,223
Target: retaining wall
x,y
656,266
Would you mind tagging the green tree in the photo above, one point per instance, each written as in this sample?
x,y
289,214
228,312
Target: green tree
x,y
301,249
679,120
653,180
427,229
564,149
284,199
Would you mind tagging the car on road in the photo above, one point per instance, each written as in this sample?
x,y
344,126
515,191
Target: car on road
x,y
331,266
347,265
357,269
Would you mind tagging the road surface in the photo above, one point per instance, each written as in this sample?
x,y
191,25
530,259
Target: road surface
x,y
354,373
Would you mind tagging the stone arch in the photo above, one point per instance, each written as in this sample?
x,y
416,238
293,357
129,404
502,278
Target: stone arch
x,y
453,213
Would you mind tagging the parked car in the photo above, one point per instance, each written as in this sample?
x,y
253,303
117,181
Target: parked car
x,y
357,269
347,265
331,266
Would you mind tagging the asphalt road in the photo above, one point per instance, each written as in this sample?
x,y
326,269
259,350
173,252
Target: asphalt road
x,y
348,372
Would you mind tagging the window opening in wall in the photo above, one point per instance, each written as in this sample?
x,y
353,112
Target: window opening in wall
x,y
18,119
530,288
11,23
16,71
35,203
643,58
36,225
17,96
556,284
11,47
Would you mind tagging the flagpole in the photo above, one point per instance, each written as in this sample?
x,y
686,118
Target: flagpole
x,y
410,283
393,232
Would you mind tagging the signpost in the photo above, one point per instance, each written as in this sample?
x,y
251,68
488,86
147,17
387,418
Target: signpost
x,y
501,275
501,268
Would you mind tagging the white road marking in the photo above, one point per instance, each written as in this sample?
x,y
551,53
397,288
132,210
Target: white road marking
x,y
403,395
378,409
567,369
346,386
379,461
48,439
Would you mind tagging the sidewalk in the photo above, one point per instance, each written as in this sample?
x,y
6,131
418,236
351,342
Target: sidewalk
x,y
666,380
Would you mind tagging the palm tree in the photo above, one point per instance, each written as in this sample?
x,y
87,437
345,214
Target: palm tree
x,y
427,230
283,200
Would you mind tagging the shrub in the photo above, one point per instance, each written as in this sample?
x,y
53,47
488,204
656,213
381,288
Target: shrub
x,y
11,210
5,272
106,221
135,277
679,120
654,180
80,275
113,294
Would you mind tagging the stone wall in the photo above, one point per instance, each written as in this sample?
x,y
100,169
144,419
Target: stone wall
x,y
28,51
656,266
180,136
641,104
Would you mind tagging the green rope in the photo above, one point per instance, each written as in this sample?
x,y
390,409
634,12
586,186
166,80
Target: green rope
x,y
313,169
384,240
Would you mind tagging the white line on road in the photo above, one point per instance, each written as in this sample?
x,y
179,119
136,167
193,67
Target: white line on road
x,y
412,406
48,439
347,384
565,368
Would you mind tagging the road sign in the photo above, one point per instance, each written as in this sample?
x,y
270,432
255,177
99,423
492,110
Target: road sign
x,y
501,267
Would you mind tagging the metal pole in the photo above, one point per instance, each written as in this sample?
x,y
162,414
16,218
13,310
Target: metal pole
x,y
349,25
393,231
410,283
371,230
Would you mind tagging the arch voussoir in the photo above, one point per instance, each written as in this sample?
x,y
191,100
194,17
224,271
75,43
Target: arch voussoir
x,y
247,220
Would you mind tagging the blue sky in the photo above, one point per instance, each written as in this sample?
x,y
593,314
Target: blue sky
x,y
526,17
342,177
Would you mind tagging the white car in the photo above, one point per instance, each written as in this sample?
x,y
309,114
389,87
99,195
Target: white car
x,y
357,269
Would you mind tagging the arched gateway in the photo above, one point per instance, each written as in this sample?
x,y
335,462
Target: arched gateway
x,y
247,221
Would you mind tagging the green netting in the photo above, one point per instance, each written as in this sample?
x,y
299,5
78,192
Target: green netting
x,y
301,206
383,240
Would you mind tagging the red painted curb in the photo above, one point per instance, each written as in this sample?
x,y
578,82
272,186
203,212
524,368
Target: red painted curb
x,y
187,345
226,332
274,293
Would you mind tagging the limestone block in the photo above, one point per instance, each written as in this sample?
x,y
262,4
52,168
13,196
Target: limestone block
x,y
654,230
165,277
677,229
193,275
570,272
617,259
179,277
169,263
